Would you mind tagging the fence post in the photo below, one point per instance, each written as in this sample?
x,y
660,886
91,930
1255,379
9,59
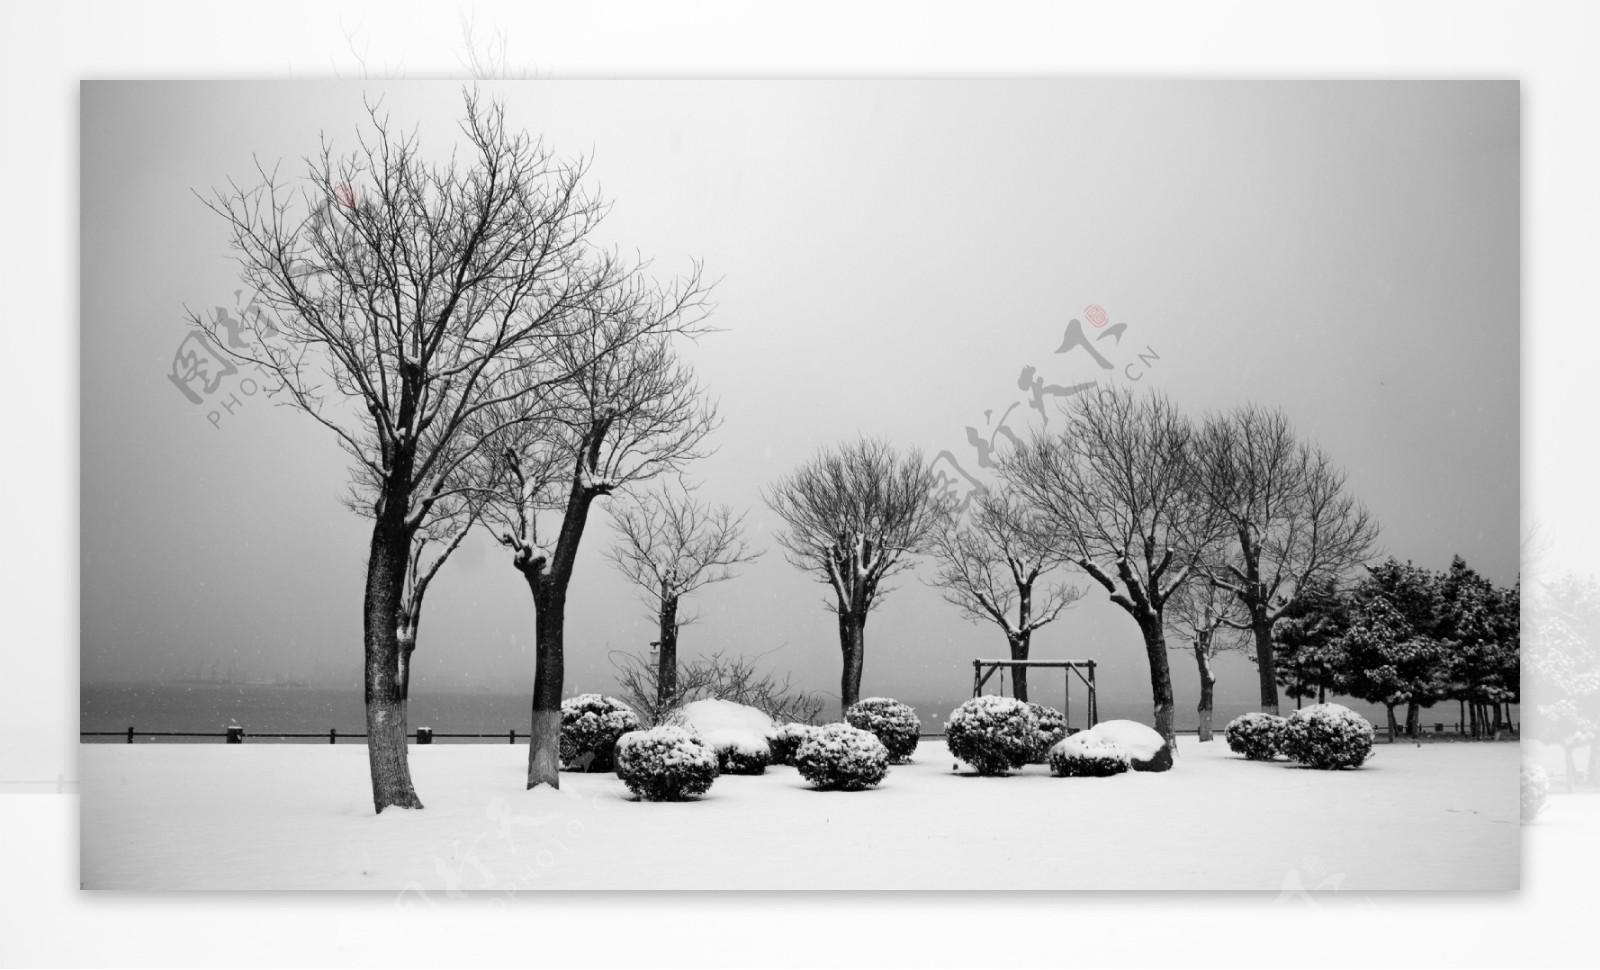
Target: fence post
x,y
333,735
235,734
424,735
512,736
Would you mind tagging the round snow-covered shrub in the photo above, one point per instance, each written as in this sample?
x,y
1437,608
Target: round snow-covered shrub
x,y
740,754
1052,728
787,741
1087,756
665,764
892,722
1535,789
590,727
838,757
991,733
1327,736
1258,737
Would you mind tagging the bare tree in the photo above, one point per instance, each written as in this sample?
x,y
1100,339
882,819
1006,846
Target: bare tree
x,y
1115,489
398,300
670,545
991,564
1290,521
1200,614
854,514
631,412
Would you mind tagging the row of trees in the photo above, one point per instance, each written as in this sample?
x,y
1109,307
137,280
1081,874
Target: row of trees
x,y
1407,637
1210,527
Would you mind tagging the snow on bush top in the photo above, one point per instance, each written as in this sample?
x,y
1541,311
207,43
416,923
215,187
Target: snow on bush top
x,y
1140,741
724,725
888,710
987,707
599,712
666,745
713,716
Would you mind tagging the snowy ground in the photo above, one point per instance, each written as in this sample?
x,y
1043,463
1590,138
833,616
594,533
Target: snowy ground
x,y
1440,816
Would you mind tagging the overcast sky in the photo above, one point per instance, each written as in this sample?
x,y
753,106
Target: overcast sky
x,y
892,256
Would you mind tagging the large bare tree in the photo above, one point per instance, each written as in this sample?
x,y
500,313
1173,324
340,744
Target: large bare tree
x,y
854,514
631,412
400,297
1290,522
991,563
1115,490
669,545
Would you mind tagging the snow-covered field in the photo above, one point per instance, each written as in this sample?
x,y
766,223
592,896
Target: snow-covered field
x,y
1440,816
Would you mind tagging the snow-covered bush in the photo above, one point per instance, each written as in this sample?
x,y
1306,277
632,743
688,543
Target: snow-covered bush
x,y
1535,789
892,722
1258,737
1087,756
1147,749
838,757
590,727
665,764
741,755
787,741
993,734
1052,728
1327,736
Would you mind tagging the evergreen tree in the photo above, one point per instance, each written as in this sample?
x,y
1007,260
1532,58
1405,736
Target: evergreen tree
x,y
1396,650
1307,656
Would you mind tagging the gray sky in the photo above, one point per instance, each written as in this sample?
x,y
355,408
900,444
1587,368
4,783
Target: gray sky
x,y
892,255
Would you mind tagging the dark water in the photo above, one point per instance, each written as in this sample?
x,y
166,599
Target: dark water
x,y
264,710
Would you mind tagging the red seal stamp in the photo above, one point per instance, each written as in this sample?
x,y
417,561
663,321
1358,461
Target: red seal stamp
x,y
1096,315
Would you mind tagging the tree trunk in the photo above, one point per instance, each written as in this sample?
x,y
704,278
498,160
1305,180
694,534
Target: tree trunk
x,y
383,680
1390,708
1571,769
544,742
1208,682
1019,643
852,647
1593,771
667,658
548,582
1265,661
1155,648
1413,718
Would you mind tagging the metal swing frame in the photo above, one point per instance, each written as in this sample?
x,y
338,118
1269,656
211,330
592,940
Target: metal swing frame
x,y
983,670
